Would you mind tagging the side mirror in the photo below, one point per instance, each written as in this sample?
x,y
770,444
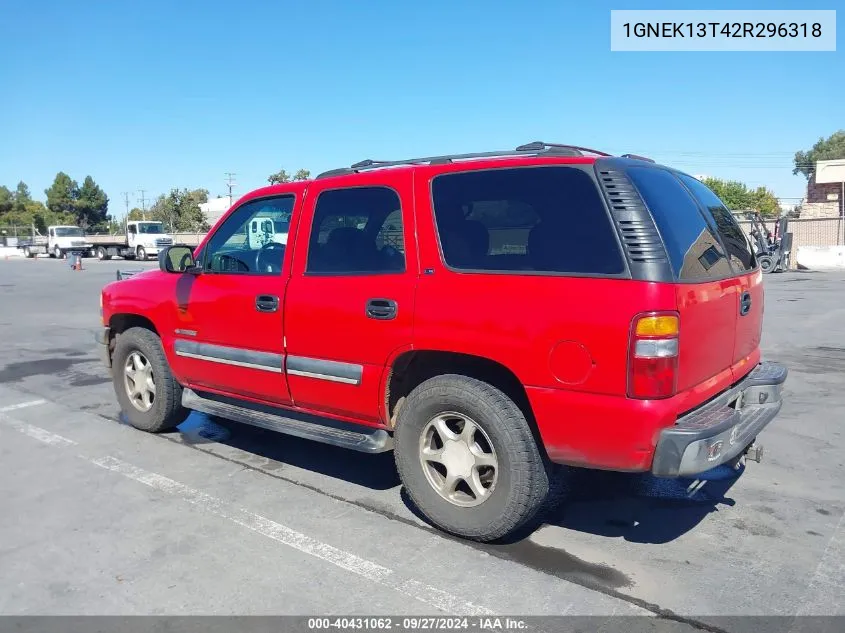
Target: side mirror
x,y
178,258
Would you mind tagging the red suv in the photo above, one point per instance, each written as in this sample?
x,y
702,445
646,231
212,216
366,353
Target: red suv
x,y
485,316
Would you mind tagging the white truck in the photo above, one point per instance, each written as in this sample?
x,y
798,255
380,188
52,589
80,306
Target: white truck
x,y
59,241
143,239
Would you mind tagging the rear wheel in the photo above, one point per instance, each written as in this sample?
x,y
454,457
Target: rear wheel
x,y
102,254
148,394
767,263
467,458
27,253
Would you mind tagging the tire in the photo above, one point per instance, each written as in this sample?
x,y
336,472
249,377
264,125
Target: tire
x,y
767,263
142,254
521,482
57,253
165,408
27,253
102,255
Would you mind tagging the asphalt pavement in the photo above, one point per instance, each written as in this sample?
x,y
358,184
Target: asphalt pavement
x,y
220,518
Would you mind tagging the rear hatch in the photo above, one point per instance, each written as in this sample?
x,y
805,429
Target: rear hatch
x,y
719,294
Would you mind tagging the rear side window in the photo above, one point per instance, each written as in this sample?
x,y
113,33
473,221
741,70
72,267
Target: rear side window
x,y
528,219
694,250
739,249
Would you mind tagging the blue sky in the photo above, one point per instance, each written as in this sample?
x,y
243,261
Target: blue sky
x,y
153,95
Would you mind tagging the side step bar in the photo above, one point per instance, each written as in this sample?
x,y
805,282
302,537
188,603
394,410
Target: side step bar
x,y
302,425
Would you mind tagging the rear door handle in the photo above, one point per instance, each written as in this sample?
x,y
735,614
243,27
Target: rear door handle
x,y
266,303
744,303
381,309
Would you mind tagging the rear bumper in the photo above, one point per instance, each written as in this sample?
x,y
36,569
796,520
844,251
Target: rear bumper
x,y
102,337
723,428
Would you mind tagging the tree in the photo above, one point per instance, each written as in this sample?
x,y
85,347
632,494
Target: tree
x,y
829,148
736,195
92,206
180,210
62,194
6,201
283,176
135,214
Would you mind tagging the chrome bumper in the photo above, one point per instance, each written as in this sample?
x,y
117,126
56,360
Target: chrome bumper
x,y
723,428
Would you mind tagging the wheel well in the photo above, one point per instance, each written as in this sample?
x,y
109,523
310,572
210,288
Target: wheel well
x,y
119,323
412,368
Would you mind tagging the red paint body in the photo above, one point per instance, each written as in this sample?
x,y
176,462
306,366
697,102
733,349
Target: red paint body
x,y
569,351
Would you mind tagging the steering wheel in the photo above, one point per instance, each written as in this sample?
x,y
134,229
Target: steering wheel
x,y
269,258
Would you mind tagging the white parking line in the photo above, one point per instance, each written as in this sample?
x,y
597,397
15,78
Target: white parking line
x,y
21,405
305,544
42,435
374,572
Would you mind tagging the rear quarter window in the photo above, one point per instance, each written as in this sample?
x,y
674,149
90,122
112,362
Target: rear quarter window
x,y
693,247
544,219
735,240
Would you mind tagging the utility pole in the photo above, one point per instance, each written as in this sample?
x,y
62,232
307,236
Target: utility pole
x,y
143,202
230,183
125,195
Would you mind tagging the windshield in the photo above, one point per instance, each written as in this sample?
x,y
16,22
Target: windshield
x,y
155,228
69,231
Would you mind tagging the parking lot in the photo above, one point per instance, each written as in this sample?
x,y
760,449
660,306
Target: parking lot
x,y
229,519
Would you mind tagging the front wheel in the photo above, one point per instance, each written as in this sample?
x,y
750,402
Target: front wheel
x,y
57,253
468,460
142,254
767,263
148,394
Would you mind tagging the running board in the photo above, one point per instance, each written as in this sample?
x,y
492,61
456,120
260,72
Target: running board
x,y
309,427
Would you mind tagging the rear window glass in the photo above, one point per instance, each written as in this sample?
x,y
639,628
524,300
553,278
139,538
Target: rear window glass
x,y
739,248
531,219
694,250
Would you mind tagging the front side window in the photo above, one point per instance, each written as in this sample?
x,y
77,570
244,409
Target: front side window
x,y
357,231
528,219
252,240
694,249
737,244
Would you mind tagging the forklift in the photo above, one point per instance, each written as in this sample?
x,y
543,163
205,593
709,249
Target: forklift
x,y
772,249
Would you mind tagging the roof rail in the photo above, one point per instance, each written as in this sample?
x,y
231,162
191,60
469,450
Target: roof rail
x,y
530,149
536,146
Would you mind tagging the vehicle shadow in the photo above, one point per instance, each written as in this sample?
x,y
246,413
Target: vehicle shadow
x,y
637,507
371,471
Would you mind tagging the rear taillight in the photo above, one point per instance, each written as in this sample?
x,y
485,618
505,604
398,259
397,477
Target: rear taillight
x,y
653,355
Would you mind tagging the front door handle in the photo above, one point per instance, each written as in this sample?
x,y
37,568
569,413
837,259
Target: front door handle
x,y
266,303
744,303
381,309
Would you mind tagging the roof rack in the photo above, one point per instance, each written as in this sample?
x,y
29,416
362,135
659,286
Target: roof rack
x,y
535,148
